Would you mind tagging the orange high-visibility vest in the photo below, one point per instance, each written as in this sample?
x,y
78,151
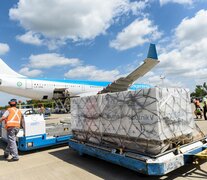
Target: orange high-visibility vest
x,y
14,118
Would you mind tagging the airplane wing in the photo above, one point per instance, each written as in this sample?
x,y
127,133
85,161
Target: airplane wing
x,y
123,83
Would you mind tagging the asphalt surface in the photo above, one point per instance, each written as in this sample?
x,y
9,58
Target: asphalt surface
x,y
62,163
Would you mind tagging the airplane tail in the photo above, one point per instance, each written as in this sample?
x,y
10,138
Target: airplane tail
x,y
7,71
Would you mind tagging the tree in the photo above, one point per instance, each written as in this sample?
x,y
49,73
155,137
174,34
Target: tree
x,y
200,91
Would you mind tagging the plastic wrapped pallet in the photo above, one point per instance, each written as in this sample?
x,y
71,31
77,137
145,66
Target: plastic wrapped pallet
x,y
148,120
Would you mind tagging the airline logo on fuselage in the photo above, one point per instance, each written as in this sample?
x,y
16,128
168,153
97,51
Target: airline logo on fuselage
x,y
19,84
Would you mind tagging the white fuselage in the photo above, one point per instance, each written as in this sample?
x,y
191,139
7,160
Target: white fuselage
x,y
17,84
43,89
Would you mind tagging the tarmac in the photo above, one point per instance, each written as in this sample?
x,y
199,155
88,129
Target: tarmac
x,y
62,163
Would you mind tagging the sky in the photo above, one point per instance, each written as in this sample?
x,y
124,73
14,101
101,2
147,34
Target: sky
x,y
104,40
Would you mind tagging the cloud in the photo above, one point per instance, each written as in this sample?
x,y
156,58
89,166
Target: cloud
x,y
4,48
92,73
35,39
201,73
31,73
162,81
49,60
46,61
137,6
137,33
193,29
186,59
30,38
53,43
163,2
70,19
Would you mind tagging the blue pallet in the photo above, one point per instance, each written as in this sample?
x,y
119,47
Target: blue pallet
x,y
27,143
156,168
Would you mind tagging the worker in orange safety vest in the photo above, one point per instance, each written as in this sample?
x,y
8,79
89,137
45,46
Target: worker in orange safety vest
x,y
12,118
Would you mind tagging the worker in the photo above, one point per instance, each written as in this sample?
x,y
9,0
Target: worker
x,y
41,109
12,118
198,112
197,103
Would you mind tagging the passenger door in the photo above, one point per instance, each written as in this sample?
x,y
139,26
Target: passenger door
x,y
29,84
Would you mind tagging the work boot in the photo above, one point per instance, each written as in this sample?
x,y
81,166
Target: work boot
x,y
13,159
6,155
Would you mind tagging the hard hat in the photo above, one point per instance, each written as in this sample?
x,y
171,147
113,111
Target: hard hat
x,y
13,101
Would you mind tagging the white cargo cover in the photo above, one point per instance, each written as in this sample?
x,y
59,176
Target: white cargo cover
x,y
148,120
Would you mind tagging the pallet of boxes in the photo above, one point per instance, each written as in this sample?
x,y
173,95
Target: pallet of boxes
x,y
147,121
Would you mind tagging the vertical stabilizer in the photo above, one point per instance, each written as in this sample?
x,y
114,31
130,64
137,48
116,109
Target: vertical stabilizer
x,y
7,71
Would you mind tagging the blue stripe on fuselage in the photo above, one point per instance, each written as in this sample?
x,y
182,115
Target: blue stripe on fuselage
x,y
82,82
92,83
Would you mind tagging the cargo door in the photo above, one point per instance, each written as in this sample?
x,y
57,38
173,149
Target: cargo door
x,y
29,84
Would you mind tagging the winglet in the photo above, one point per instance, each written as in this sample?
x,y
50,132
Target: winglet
x,y
152,53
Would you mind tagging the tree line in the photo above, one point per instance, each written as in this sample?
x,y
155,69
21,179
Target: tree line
x,y
33,103
200,91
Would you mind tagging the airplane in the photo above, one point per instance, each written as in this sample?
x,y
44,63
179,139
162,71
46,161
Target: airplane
x,y
43,89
